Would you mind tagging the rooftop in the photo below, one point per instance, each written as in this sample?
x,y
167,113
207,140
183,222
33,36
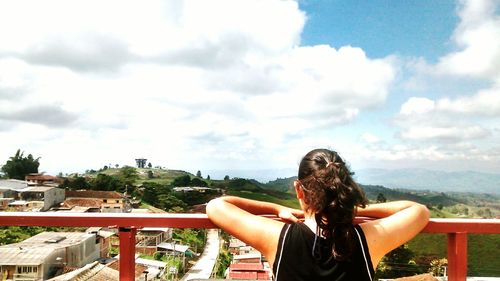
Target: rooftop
x,y
13,184
38,188
93,194
34,250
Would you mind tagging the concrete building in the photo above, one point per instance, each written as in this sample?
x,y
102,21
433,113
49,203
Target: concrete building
x,y
48,196
45,255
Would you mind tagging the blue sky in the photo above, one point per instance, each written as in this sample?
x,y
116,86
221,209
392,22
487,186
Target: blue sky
x,y
406,28
229,85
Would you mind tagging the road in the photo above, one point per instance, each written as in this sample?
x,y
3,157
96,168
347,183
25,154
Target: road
x,y
203,268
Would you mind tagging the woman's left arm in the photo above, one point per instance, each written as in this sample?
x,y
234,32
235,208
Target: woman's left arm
x,y
240,218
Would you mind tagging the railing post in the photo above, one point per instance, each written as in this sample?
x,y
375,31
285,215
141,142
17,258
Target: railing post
x,y
127,253
457,256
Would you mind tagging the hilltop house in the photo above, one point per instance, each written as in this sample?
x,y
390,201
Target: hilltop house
x,y
46,254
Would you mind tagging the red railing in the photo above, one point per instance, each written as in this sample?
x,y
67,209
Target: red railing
x,y
127,224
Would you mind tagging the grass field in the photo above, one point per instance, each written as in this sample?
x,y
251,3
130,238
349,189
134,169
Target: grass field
x,y
483,251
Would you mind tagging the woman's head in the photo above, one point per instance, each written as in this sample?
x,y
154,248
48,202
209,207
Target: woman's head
x,y
330,193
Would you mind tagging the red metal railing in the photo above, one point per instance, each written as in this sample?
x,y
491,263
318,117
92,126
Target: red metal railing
x,y
127,224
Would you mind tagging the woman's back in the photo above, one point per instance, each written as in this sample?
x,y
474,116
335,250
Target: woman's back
x,y
301,256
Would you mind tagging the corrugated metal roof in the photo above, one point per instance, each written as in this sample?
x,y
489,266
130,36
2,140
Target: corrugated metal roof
x,y
33,251
173,247
13,184
38,188
24,255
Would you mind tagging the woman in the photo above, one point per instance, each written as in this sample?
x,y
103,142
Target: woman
x,y
326,245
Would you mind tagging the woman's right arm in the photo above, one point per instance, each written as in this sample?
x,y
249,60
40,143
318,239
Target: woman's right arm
x,y
397,223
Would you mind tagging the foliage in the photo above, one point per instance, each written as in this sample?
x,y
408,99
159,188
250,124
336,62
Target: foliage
x,y
198,182
194,237
75,183
106,183
170,203
182,181
225,257
437,266
381,198
398,263
15,234
198,174
18,166
128,176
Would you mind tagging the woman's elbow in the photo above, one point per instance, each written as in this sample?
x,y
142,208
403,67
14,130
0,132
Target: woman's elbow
x,y
212,206
424,213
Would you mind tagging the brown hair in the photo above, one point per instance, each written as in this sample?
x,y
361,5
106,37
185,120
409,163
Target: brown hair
x,y
331,193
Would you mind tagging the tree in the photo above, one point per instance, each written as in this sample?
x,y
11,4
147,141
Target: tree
x,y
208,177
226,177
128,175
397,263
198,174
198,182
106,183
18,166
150,165
381,198
182,181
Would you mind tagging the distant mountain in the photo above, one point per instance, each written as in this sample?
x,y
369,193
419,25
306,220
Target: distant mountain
x,y
262,175
422,179
423,196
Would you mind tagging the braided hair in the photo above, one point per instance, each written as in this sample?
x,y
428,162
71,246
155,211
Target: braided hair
x,y
333,196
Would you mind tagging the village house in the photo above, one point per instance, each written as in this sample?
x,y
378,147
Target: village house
x,y
247,263
41,179
29,196
93,200
148,239
45,255
44,197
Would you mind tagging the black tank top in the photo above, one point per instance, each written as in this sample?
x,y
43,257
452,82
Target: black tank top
x,y
295,262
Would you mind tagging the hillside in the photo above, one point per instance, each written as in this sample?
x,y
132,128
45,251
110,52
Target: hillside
x,y
422,179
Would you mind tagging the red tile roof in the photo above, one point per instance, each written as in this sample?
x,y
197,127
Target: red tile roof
x,y
82,202
247,266
41,178
93,194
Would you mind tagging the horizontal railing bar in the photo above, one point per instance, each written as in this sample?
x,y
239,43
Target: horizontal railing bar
x,y
435,225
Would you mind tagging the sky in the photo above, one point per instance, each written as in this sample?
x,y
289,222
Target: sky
x,y
251,85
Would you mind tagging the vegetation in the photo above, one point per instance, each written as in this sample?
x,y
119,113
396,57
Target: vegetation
x,y
155,187
18,166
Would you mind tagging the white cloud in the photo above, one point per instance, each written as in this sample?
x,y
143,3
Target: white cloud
x,y
416,105
478,40
370,138
185,81
484,103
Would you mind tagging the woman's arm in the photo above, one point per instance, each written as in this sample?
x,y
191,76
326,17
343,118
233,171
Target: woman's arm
x,y
382,210
239,217
398,222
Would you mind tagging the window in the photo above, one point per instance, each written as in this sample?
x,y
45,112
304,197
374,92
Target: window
x,y
27,269
105,200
